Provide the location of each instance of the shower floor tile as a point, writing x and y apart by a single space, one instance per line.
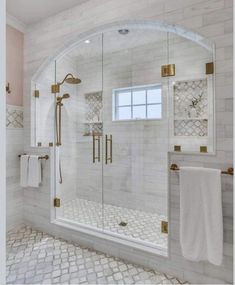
140 225
34 257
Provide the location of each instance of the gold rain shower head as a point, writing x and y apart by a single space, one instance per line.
69 78
73 80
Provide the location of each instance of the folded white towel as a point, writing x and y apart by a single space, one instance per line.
35 172
24 168
201 220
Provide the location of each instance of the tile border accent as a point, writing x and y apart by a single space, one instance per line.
14 117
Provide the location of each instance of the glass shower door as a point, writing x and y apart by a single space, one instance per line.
113 156
80 154
135 127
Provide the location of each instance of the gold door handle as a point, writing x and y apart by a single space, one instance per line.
94 147
110 140
111 149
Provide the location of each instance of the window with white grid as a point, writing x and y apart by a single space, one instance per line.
135 103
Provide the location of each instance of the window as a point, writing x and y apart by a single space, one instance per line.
135 103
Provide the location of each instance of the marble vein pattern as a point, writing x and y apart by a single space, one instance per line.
34 257
140 225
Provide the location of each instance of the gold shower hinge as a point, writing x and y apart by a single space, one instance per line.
177 147
164 227
203 149
57 202
36 93
168 70
210 68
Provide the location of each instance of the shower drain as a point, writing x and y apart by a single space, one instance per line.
123 224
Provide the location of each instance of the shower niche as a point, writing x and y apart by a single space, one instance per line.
190 108
93 115
119 124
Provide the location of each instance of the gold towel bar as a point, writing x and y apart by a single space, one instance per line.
46 157
229 171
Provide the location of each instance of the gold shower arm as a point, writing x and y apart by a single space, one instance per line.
62 82
55 88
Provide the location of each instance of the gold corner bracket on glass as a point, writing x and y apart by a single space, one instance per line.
110 141
94 148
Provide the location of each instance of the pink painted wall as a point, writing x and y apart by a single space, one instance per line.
14 65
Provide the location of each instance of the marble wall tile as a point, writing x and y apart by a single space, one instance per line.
14 147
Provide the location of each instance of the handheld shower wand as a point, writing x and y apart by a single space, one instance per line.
58 122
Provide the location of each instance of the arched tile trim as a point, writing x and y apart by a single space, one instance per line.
137 24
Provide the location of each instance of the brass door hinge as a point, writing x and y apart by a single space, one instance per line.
203 148
210 68
57 202
36 93
177 147
168 70
164 227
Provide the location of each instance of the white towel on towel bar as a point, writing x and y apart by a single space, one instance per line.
35 172
24 168
201 220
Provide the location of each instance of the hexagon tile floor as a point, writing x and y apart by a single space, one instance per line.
34 257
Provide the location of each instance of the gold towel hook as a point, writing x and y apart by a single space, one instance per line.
8 90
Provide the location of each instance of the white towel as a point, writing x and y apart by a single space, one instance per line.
201 220
35 173
24 168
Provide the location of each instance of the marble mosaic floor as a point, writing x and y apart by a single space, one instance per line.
34 257
139 225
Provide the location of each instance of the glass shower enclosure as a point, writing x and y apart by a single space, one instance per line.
112 129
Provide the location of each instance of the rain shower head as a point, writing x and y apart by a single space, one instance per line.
72 80
69 78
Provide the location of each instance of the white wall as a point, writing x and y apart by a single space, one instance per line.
212 19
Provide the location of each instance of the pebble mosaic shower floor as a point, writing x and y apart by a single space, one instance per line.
139 225
34 257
